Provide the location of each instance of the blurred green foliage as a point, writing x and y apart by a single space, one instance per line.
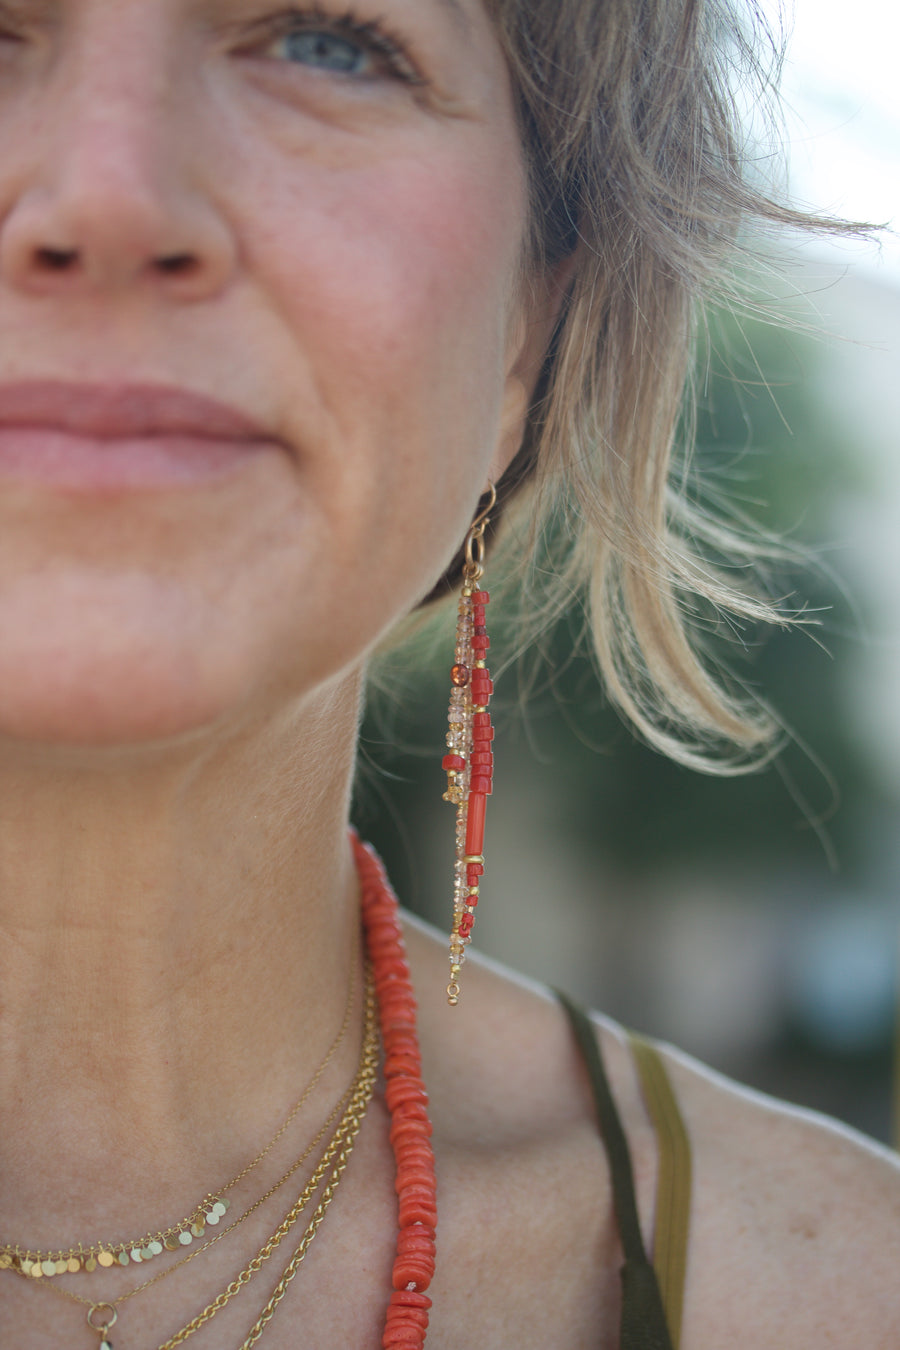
763 445
801 837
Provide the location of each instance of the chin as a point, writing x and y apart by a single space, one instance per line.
123 665
101 704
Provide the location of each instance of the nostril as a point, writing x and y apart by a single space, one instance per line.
179 264
57 259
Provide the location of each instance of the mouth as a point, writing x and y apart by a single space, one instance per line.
93 438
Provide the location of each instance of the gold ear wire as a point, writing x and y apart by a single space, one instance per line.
474 568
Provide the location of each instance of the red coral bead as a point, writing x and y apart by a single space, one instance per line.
401 1338
415 1239
409 1316
415 1178
407 1298
417 1211
475 823
400 1091
408 1272
412 1123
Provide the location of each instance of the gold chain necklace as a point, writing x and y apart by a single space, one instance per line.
103 1314
296 1260
340 1150
87 1257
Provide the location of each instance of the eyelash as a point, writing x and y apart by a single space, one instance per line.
371 33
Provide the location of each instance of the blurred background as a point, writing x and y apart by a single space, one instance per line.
755 922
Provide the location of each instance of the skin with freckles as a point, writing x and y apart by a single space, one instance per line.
317 217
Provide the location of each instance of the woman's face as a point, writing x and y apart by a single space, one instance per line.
314 218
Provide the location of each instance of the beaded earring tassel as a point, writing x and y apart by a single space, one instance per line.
470 761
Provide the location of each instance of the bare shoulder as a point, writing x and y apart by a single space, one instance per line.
795 1220
524 1200
795 1224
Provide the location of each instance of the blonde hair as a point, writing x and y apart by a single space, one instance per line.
640 173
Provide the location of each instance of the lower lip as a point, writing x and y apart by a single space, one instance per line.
92 464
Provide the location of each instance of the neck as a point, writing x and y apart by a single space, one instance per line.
177 935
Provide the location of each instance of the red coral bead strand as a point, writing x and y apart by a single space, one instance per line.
480 783
470 763
407 1315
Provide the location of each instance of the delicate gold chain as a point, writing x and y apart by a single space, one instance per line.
293 1265
338 1150
342 1107
308 1090
210 1211
339 1154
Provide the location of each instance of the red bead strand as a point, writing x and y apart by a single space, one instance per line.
470 763
407 1101
470 770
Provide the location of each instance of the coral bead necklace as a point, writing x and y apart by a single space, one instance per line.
407 1315
406 1321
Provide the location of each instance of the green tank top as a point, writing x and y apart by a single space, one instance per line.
652 1295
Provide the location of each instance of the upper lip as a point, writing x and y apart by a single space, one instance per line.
124 410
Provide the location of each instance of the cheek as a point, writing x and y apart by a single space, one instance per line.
393 281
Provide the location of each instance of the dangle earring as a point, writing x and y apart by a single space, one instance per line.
470 762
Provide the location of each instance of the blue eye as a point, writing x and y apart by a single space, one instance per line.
327 51
348 46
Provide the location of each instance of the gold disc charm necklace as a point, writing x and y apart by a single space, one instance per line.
102 1314
209 1213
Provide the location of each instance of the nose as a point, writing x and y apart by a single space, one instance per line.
111 193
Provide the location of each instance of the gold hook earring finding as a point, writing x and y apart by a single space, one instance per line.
474 568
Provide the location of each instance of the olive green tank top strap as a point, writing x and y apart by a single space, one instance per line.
643 1325
673 1187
